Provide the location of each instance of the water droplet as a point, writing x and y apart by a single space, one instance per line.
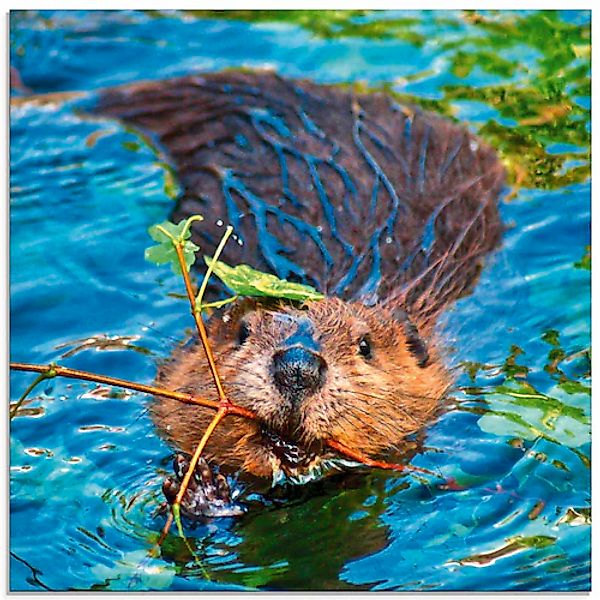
219 223
388 240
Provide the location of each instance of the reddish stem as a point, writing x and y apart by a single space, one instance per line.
130 385
200 326
222 412
369 462
233 409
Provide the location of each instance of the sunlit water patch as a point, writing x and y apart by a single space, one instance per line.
514 443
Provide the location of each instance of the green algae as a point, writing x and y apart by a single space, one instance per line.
518 409
586 260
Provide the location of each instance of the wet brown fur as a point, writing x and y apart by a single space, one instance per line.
368 404
402 200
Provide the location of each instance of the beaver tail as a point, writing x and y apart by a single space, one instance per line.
352 193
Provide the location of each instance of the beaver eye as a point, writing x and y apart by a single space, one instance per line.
364 347
243 333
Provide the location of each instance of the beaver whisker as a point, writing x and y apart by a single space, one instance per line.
257 376
252 374
242 369
246 385
384 427
356 409
340 416
411 394
376 397
391 430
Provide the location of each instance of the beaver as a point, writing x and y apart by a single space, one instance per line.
387 209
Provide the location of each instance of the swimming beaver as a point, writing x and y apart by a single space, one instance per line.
387 209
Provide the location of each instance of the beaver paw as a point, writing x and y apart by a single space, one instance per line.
207 495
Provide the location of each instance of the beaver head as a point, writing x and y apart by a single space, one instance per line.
328 370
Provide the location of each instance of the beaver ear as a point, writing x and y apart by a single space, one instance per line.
414 341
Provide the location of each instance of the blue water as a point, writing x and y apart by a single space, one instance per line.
86 464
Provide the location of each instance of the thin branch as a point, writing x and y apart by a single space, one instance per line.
211 266
223 407
233 409
200 326
175 508
378 464
58 371
41 377
224 402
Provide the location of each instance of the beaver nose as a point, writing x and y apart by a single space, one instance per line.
298 372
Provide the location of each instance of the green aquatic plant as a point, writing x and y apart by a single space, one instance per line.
517 409
530 72
169 237
329 24
242 279
586 260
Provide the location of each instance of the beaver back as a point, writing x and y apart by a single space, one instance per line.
352 193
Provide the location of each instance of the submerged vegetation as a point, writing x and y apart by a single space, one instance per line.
516 409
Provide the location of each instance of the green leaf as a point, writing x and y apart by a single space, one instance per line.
166 231
168 234
166 253
160 254
246 281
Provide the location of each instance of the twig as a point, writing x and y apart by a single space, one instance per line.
41 377
233 409
175 508
225 404
379 464
58 371
200 325
211 266
223 407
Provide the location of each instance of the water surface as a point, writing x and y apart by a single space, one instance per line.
86 464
